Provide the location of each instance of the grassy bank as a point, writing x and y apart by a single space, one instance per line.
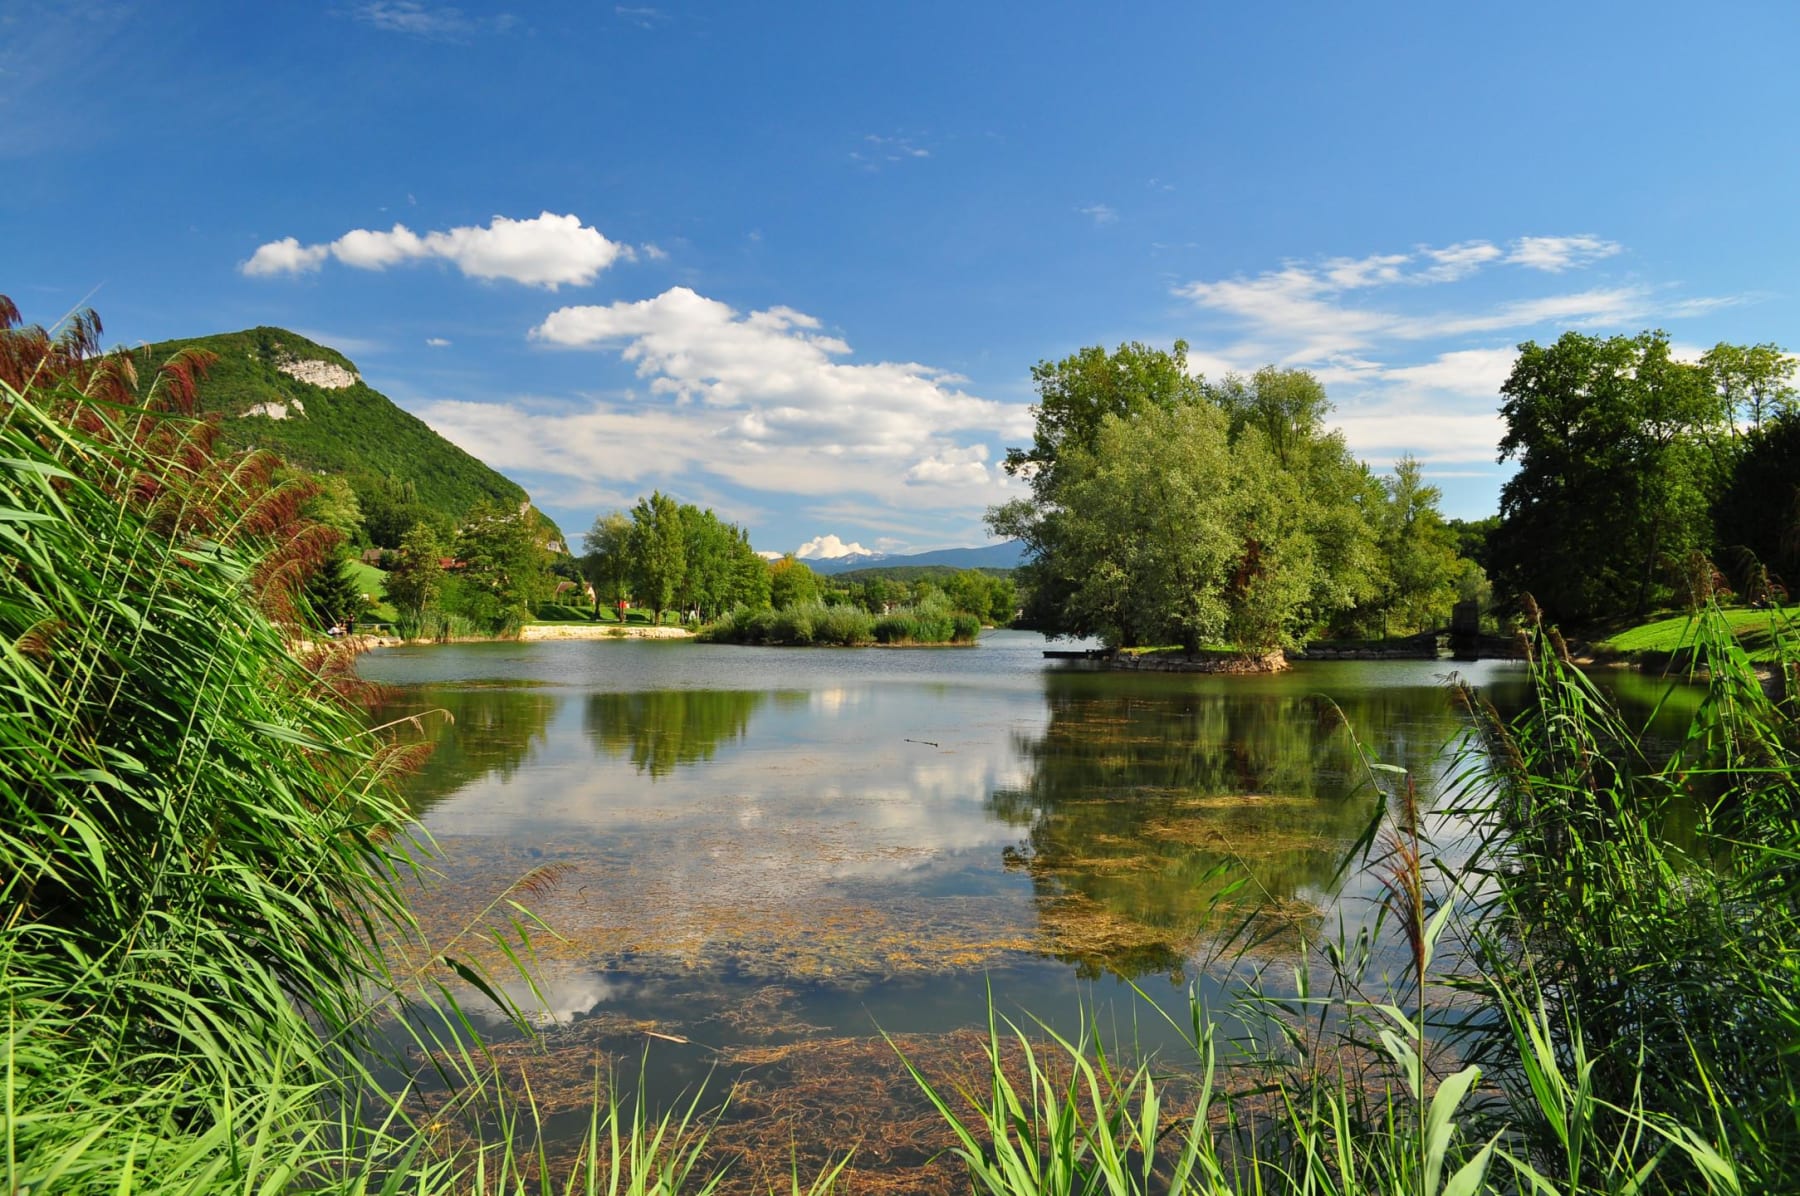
1672 639
845 626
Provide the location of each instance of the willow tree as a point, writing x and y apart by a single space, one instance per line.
1172 533
1143 479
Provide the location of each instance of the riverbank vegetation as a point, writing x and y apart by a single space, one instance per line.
1583 1007
1641 476
845 625
667 555
1168 510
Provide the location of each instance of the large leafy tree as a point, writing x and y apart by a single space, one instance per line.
1077 393
1418 550
1249 461
1171 531
1147 538
658 551
749 574
417 576
710 547
503 559
606 557
1340 499
1755 382
1614 439
1074 396
792 583
1758 512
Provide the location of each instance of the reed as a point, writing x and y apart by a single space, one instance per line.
199 842
1585 1009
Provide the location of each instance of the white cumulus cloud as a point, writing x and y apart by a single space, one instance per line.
775 371
965 466
828 548
286 256
547 250
766 401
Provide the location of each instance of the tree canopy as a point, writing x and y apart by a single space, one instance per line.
1614 439
1164 509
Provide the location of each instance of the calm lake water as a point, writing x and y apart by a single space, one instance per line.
756 861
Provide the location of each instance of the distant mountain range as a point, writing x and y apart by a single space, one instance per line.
1006 555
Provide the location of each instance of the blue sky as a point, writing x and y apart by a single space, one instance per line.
795 261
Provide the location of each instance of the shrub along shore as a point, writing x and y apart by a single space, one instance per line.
928 624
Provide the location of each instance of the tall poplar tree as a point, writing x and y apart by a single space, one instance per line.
658 552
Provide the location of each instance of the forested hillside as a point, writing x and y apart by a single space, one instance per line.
278 390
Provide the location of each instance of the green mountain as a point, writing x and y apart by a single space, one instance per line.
276 390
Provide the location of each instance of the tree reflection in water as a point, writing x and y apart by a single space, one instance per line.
489 731
1161 819
662 729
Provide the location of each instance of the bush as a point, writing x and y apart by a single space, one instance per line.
849 626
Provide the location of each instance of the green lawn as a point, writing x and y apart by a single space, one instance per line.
374 581
552 612
1754 629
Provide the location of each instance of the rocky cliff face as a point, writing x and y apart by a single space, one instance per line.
325 374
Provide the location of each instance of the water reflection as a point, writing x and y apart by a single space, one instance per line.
663 729
884 839
1157 820
474 732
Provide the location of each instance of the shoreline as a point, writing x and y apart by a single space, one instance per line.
540 632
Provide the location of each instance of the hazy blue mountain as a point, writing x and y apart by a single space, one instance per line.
1008 554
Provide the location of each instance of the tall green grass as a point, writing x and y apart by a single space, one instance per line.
199 849
1582 1009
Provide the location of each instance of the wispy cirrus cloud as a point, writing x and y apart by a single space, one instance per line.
1099 213
1414 345
429 21
547 250
642 16
1309 312
877 151
1556 254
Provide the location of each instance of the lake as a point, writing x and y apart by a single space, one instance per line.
753 863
